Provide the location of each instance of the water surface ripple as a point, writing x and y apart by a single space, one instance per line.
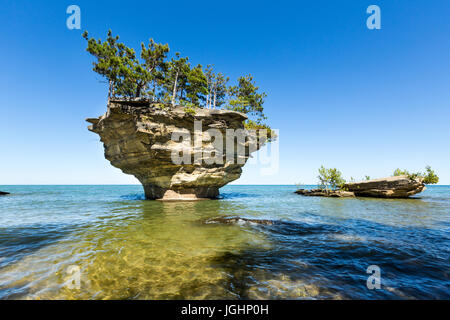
128 248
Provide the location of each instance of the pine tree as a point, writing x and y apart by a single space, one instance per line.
176 77
197 88
172 81
108 56
219 90
119 65
209 73
154 62
246 99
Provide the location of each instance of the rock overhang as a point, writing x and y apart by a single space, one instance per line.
137 138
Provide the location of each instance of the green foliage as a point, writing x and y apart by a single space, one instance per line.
197 88
252 125
118 64
190 110
216 87
151 75
189 107
330 179
367 178
154 56
245 98
398 172
429 177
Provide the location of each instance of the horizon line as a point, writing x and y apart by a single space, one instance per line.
128 184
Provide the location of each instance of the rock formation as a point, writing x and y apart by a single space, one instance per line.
391 187
3 193
324 193
137 137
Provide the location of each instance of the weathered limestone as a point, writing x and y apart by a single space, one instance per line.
391 187
137 137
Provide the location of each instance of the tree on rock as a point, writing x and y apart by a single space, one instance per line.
219 90
196 89
176 77
109 58
330 179
119 65
428 177
245 98
154 56
150 76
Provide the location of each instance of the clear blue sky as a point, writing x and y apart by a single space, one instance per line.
365 101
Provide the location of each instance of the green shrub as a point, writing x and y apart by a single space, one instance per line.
330 179
429 177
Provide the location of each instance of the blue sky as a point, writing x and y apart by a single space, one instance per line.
364 101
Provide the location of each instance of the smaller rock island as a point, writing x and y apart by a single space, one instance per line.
391 187
3 193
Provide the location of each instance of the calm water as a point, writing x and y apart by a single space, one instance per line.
127 248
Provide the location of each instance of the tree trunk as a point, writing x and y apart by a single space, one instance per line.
208 96
110 89
215 94
138 90
174 89
154 90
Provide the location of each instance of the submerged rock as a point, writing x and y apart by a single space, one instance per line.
137 137
391 187
3 193
237 220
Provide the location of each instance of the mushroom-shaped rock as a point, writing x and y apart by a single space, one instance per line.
141 138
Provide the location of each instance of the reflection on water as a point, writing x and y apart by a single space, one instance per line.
127 248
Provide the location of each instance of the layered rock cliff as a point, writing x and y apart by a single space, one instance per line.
138 139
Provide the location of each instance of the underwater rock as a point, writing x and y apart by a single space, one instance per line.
237 220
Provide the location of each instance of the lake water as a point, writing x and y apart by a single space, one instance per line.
120 246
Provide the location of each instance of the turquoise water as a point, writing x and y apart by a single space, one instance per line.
123 247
